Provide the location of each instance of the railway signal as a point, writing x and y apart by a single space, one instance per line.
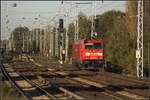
61 26
61 37
61 30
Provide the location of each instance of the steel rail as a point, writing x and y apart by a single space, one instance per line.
64 90
61 88
5 73
99 85
114 76
20 90
125 93
36 85
89 83
127 78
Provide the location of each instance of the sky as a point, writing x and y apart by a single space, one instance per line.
47 12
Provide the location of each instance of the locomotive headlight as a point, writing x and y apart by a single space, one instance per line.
99 54
87 53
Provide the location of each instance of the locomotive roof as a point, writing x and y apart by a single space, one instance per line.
79 41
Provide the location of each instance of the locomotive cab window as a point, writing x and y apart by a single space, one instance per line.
93 45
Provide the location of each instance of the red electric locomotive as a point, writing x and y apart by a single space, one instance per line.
88 53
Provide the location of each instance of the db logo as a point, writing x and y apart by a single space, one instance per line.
93 53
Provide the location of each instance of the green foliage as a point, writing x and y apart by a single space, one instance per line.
117 40
7 92
131 18
146 30
4 88
84 26
84 30
131 21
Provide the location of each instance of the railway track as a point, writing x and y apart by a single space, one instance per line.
115 81
12 82
124 92
108 88
126 78
81 89
63 93
56 83
24 84
69 86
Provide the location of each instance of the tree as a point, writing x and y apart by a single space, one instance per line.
131 22
84 26
118 43
19 37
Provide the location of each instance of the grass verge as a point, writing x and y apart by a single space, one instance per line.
8 92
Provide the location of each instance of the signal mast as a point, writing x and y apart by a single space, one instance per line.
93 32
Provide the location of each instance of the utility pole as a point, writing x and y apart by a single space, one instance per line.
30 41
37 39
66 36
50 35
14 5
54 45
139 51
75 31
44 33
43 41
92 19
41 35
23 42
76 23
56 40
11 35
27 37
